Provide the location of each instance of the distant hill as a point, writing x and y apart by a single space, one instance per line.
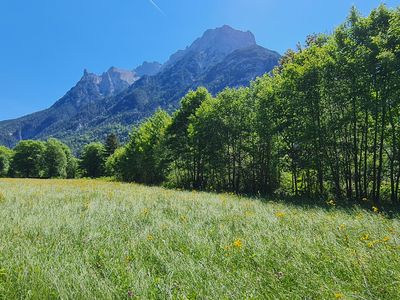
117 99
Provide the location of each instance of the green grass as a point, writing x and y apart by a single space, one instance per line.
85 239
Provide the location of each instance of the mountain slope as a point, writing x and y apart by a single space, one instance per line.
79 104
222 57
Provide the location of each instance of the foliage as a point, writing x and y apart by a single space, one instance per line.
55 160
93 160
111 144
29 159
5 160
117 164
143 156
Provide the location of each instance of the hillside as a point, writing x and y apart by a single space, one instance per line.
117 99
96 240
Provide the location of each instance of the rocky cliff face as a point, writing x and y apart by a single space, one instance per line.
213 46
113 101
148 69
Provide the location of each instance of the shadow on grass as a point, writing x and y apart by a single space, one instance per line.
389 210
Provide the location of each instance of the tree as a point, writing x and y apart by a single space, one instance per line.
5 160
72 162
183 152
28 160
111 144
117 165
144 154
93 160
55 159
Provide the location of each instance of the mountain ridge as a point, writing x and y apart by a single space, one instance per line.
116 99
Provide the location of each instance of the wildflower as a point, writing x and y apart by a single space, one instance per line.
150 237
386 239
365 237
371 245
375 209
342 227
248 213
238 243
279 214
331 202
359 216
339 296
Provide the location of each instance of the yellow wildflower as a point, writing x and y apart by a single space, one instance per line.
339 296
331 202
375 209
386 239
365 237
238 243
248 213
150 237
280 214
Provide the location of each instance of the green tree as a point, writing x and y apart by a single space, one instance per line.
144 154
28 160
55 159
93 160
111 144
182 151
72 162
117 165
5 160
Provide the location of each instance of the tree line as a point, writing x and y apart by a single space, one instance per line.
54 159
325 122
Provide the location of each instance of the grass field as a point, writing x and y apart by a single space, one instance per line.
85 239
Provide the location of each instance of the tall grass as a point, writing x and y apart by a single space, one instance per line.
83 239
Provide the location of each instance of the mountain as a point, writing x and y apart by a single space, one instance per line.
117 99
79 103
148 68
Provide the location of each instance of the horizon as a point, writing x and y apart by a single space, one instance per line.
50 44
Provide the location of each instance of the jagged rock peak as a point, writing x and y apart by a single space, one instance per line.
216 43
224 39
148 69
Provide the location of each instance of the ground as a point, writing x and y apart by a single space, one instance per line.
85 239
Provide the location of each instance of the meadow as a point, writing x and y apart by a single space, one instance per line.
91 239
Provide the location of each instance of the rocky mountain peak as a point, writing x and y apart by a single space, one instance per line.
148 69
224 39
214 45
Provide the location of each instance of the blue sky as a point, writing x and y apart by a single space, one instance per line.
46 44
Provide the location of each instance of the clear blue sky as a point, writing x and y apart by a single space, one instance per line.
46 44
